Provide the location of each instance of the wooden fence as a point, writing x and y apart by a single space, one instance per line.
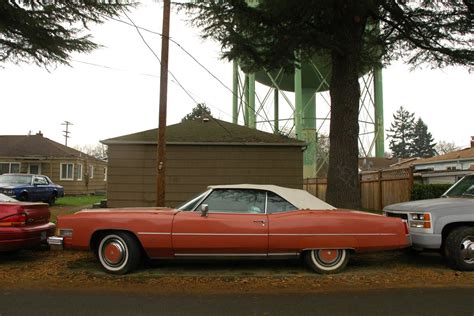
378 188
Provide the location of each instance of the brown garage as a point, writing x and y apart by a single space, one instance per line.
199 153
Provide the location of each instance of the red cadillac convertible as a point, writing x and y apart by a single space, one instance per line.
232 221
23 224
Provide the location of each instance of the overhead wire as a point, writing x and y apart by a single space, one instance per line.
174 77
137 27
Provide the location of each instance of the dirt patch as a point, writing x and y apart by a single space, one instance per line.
80 271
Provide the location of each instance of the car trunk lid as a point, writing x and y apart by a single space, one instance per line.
24 214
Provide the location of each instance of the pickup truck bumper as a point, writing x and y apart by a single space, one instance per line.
56 243
426 241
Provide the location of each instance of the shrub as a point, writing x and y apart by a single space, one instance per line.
428 191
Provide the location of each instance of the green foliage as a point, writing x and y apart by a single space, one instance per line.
198 113
47 32
401 133
79 200
422 144
409 138
428 191
266 34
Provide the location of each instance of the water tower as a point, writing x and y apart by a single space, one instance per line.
308 84
300 91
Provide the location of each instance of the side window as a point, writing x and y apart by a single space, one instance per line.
276 204
66 172
40 181
236 201
78 172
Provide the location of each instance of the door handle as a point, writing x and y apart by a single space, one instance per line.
260 221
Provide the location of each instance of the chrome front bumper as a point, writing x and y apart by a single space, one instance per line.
55 242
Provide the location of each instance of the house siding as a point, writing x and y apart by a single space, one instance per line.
191 168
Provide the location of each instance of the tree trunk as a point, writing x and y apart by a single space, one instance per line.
343 174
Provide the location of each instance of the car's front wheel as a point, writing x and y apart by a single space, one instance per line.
459 248
119 252
327 261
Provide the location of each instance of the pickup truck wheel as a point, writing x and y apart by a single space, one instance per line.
119 253
459 249
327 261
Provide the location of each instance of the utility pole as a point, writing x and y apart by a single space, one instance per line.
66 132
161 156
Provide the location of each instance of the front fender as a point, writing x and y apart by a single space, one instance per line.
441 222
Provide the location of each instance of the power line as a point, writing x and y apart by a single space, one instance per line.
138 28
156 56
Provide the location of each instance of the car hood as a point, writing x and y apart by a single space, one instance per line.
433 205
8 186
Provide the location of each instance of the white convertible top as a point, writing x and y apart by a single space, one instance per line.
299 198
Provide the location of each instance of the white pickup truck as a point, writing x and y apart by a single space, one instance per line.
446 223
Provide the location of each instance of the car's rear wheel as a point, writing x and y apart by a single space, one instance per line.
52 199
119 252
327 261
459 248
23 196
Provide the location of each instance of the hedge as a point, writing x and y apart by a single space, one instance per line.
428 191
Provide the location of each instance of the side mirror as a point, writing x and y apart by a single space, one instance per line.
204 210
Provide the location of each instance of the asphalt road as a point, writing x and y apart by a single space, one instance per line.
386 302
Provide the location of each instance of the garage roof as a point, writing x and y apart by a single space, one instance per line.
211 132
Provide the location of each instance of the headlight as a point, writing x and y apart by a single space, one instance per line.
420 220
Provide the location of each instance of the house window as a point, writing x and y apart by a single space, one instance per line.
34 168
78 172
67 171
105 173
91 171
9 167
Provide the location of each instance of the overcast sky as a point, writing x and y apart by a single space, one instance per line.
114 90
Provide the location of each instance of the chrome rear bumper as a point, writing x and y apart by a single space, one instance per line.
55 242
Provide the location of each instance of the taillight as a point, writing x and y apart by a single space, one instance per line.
405 224
14 220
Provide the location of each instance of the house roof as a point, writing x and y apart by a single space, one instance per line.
463 154
375 163
36 146
213 132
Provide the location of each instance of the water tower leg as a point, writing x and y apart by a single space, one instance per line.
252 115
378 100
276 114
305 123
309 133
235 92
246 101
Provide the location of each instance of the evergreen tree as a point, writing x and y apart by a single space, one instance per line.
401 133
47 32
198 113
356 35
422 144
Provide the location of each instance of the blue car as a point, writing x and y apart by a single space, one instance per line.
30 187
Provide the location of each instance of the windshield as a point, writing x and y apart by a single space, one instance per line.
462 188
15 179
193 203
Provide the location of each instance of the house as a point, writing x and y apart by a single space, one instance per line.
199 153
447 168
375 163
77 172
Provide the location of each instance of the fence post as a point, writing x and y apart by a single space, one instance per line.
410 181
380 189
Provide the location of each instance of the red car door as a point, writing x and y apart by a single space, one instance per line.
236 224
